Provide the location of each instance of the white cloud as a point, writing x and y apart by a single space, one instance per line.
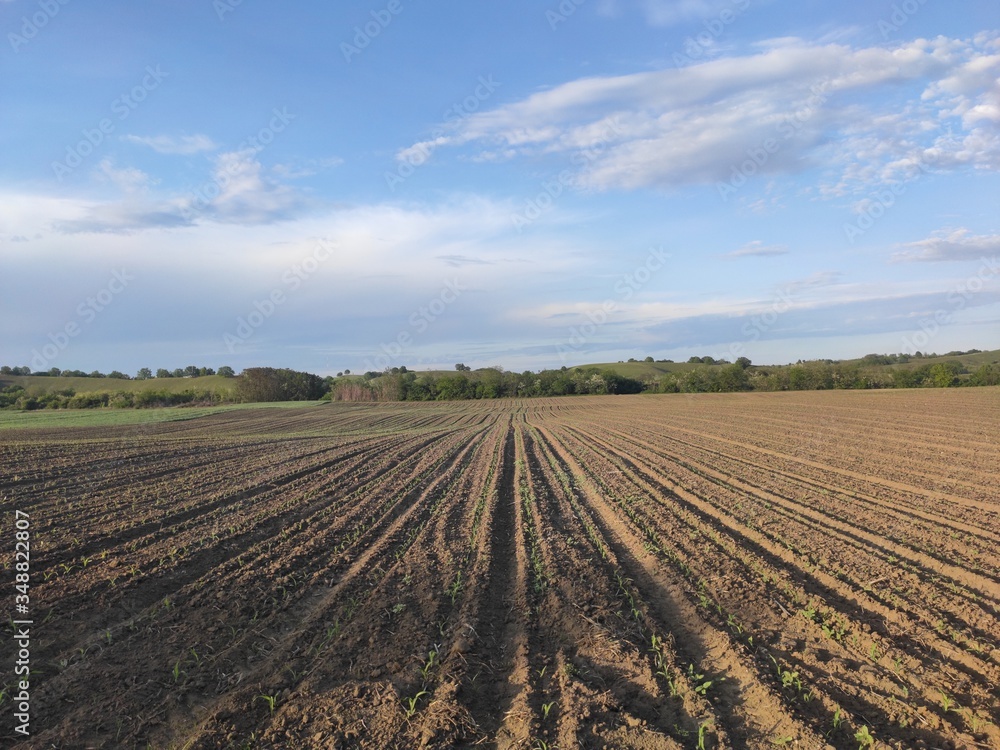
129 180
237 192
307 167
758 248
870 114
954 244
169 144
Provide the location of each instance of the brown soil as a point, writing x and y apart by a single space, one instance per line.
740 571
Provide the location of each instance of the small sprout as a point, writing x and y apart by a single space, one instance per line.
546 707
456 587
270 700
703 730
838 718
410 704
864 738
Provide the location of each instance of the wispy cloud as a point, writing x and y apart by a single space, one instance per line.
307 167
238 191
758 248
457 261
171 144
819 103
129 180
954 244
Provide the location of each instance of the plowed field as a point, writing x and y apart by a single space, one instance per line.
744 571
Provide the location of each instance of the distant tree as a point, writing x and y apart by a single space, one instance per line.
986 375
462 367
97 374
164 373
648 359
732 378
203 371
191 371
340 374
268 384
453 387
55 372
5 370
226 371
144 374
744 362
347 372
177 373
118 375
945 374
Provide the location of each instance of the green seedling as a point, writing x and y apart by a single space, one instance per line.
456 587
270 700
703 730
838 718
946 702
410 704
429 664
864 738
546 707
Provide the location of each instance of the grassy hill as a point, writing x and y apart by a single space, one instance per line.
655 369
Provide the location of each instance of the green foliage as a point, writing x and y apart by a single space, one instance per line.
263 384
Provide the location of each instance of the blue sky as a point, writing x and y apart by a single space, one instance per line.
358 185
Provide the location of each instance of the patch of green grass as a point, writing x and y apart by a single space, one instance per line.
36 384
109 417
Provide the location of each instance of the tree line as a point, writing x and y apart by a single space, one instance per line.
267 384
191 371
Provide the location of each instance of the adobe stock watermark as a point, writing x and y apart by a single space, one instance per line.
758 156
901 13
33 24
211 190
696 47
224 7
562 12
417 155
554 187
364 34
761 322
87 311
292 279
122 106
625 288
420 320
957 300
